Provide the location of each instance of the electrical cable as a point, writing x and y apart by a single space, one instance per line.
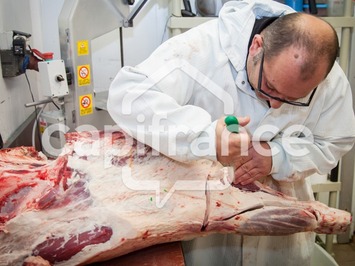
166 26
37 115
29 87
55 105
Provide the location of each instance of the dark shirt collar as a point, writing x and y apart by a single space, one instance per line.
259 25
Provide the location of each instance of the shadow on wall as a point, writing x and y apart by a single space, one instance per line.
23 136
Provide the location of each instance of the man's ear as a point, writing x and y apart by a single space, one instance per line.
256 45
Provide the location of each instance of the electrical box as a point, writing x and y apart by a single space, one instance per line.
12 53
53 78
52 128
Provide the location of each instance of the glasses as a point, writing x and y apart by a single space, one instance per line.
296 103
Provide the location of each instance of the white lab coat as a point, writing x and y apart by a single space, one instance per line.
172 100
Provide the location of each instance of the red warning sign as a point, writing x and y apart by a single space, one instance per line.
86 107
84 78
85 102
83 72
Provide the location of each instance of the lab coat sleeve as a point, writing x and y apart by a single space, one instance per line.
325 138
151 103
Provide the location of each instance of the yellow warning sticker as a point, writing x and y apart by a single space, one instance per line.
85 102
83 47
84 78
42 125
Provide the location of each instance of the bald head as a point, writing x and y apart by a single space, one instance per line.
310 37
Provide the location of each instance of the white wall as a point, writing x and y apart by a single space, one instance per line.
14 92
138 43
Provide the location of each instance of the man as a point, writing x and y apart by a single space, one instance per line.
272 69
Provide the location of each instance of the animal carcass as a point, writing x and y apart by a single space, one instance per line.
108 195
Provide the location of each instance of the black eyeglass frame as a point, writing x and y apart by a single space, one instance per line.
277 98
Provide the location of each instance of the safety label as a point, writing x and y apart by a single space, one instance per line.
83 47
84 78
85 102
42 125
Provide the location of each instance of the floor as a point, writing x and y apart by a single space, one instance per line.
344 254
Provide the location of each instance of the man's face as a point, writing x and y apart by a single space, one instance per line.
280 77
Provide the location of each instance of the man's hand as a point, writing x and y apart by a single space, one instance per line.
251 160
33 64
231 146
255 165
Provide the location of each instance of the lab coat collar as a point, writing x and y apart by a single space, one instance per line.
236 21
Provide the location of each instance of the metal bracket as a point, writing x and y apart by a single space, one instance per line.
128 22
